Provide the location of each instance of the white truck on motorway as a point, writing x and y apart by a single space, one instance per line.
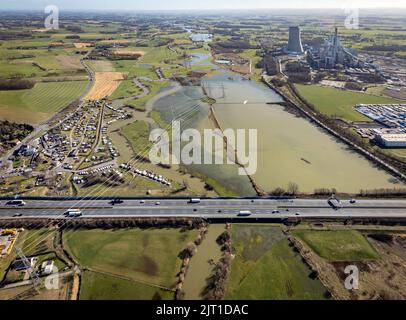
194 200
73 213
244 213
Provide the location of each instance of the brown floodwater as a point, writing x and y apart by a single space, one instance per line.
201 264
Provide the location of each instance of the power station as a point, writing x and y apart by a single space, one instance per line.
332 53
295 41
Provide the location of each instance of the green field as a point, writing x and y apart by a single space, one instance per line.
339 103
155 55
265 267
41 101
338 245
144 255
134 70
126 89
96 286
34 63
137 134
154 88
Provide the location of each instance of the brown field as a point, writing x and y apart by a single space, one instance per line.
57 44
69 62
394 94
239 64
129 52
80 45
40 30
28 116
122 41
18 61
106 83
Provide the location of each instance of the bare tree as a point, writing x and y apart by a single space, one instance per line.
293 188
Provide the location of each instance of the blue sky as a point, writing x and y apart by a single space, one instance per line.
192 4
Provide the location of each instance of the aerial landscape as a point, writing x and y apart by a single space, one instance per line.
202 153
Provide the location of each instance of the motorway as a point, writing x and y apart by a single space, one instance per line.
209 208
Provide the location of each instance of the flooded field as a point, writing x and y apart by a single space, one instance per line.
202 262
290 148
185 106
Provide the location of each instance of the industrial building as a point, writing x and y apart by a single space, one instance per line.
332 53
295 42
391 116
391 140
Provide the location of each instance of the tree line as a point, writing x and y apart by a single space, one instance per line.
16 84
105 223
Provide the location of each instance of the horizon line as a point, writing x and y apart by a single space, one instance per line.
208 9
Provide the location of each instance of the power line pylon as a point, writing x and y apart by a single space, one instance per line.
32 273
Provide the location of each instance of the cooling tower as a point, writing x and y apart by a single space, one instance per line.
295 42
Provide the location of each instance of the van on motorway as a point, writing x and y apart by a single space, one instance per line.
194 200
73 213
19 203
244 213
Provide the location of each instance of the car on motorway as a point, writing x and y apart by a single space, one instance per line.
116 201
352 201
297 214
142 201
194 200
19 203
335 203
73 213
275 211
17 215
157 203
